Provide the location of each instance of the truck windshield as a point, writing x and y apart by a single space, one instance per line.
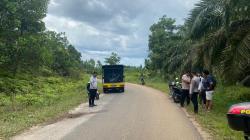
113 75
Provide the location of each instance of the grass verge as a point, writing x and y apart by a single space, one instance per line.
39 100
155 82
215 121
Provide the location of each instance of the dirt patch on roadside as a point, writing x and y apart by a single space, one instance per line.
79 114
56 119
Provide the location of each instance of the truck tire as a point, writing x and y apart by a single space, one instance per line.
105 91
122 90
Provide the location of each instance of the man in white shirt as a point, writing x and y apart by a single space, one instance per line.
194 91
92 89
202 92
185 88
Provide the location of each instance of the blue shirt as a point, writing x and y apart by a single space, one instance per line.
208 83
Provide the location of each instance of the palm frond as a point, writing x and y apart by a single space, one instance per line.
236 57
207 16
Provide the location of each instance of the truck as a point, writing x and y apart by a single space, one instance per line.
113 78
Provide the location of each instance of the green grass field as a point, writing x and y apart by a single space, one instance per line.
39 100
214 122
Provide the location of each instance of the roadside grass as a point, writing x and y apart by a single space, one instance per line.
39 100
157 83
214 122
131 76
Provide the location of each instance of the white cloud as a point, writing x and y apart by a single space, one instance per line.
53 3
99 27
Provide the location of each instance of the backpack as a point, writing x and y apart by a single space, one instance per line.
88 86
214 81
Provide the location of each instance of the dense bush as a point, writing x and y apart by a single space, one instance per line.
38 91
237 93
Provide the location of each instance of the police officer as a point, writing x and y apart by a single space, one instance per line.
92 89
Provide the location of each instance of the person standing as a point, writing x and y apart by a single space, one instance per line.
186 79
194 85
142 79
92 89
202 92
209 85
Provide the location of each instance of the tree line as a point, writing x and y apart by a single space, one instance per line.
31 55
27 47
215 36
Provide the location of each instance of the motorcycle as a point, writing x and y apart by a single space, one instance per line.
175 91
171 91
142 81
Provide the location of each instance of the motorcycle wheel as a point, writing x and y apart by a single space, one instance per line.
176 100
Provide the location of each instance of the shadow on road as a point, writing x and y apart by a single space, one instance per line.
76 115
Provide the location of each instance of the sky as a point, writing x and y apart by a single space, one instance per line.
98 27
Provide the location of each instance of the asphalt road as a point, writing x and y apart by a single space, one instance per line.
141 113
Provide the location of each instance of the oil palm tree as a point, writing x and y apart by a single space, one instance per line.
222 28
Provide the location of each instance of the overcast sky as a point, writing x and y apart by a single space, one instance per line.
98 27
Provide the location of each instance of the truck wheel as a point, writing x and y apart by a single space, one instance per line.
105 91
122 90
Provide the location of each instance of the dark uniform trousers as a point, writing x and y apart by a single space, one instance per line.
92 94
194 100
185 96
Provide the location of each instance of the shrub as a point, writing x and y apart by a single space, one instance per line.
29 100
4 100
46 72
237 93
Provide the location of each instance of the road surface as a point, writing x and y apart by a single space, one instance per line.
141 113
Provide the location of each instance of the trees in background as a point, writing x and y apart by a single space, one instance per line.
99 66
164 47
27 50
114 59
89 65
25 46
62 57
215 36
92 65
224 38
